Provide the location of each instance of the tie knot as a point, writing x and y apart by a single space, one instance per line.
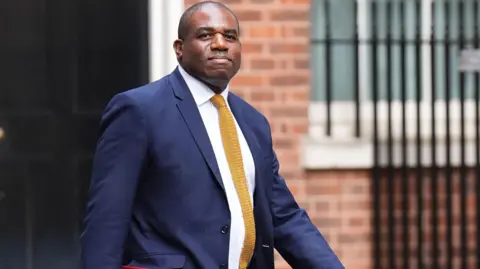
218 101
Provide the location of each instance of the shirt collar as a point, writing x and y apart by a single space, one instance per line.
201 92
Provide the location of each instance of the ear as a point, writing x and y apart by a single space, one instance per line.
178 47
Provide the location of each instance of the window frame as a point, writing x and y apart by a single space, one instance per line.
345 150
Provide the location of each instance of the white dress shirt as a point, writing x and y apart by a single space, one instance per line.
209 113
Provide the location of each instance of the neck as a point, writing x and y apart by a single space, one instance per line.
217 86
218 89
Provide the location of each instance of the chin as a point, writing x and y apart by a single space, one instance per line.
219 75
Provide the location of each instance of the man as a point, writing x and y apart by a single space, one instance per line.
185 175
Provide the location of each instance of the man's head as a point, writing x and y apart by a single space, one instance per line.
208 45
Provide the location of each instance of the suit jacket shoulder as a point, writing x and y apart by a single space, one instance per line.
150 93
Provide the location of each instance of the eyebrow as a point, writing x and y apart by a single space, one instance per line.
211 29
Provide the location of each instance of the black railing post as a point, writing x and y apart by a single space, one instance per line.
463 179
376 169
357 71
448 168
476 13
433 146
419 167
405 181
328 71
391 176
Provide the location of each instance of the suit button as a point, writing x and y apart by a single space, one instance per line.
224 229
222 266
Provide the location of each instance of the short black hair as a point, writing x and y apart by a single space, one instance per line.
184 24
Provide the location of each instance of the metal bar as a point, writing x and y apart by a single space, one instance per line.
328 53
433 147
448 169
405 185
463 180
376 167
357 75
391 178
477 134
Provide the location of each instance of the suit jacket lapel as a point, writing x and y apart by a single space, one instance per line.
188 108
253 144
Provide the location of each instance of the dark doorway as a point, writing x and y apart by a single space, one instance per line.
60 63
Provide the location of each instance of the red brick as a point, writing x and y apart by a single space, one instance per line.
248 15
297 96
352 238
327 222
262 64
297 128
300 2
247 80
356 222
290 111
257 31
301 64
288 80
262 1
301 31
262 95
289 48
323 189
250 48
283 143
322 206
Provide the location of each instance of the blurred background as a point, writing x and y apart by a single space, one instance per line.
374 107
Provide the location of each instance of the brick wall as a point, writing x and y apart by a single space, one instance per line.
275 78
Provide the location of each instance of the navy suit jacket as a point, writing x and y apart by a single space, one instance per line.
156 198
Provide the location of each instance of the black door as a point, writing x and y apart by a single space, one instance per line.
60 62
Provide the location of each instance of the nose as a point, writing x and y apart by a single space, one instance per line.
219 42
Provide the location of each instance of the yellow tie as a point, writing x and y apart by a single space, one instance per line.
235 162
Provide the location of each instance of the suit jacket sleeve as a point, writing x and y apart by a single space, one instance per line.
117 166
295 237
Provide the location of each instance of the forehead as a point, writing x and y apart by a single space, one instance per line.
213 17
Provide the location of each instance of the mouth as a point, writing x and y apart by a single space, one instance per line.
219 59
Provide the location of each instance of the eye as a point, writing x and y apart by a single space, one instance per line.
204 35
231 37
